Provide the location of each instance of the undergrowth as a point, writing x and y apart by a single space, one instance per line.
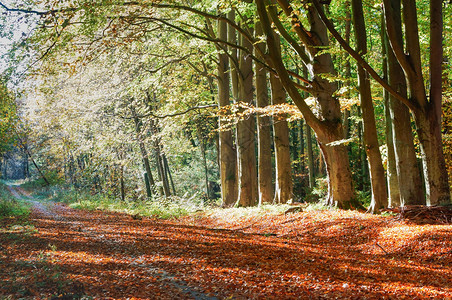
163 208
11 207
160 207
265 209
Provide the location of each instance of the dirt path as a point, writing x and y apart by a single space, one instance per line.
91 241
312 255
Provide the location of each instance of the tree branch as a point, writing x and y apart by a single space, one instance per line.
207 15
359 59
277 63
174 114
297 26
301 52
36 12
394 38
168 63
27 11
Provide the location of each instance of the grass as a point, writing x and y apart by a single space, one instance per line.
10 206
170 208
162 208
266 209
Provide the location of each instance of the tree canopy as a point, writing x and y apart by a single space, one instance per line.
112 83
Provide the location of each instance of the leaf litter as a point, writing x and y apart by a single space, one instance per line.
222 255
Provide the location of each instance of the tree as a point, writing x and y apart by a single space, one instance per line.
327 126
148 178
247 172
426 110
8 118
408 173
227 151
284 184
377 175
263 128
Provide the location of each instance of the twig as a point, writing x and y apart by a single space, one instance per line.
381 248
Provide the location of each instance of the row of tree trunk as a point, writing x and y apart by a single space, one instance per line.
405 91
246 181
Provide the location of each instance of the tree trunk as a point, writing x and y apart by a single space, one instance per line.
377 175
246 127
340 185
348 70
408 173
302 156
149 180
168 174
122 184
227 153
391 166
158 159
284 183
429 121
426 111
328 126
263 131
434 165
310 154
206 170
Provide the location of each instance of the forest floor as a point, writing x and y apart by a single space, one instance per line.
63 253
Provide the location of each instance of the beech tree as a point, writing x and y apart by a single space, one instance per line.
425 109
284 184
263 128
327 125
227 151
377 175
254 48
408 173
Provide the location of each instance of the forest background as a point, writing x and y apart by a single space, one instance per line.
245 102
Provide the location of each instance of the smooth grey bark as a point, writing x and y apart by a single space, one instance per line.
348 70
426 110
206 170
310 155
408 173
391 165
159 162
265 184
284 182
301 138
122 184
246 128
227 151
377 176
168 174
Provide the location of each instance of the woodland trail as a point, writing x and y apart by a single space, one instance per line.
68 254
90 243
